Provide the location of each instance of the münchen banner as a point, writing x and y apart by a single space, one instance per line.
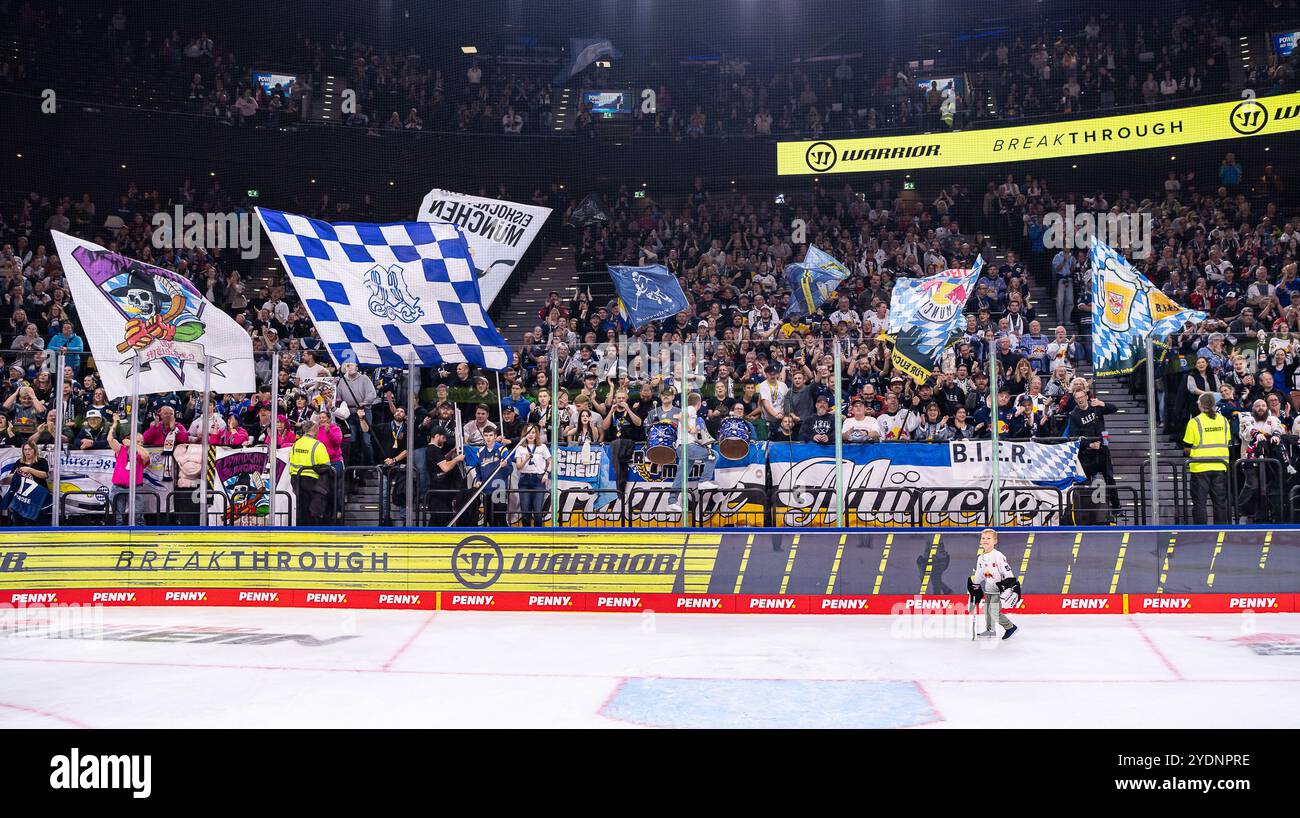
498 232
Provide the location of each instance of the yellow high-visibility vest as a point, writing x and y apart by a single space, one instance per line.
1208 438
307 452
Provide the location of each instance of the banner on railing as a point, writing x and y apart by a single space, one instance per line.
589 487
897 483
237 480
86 477
884 484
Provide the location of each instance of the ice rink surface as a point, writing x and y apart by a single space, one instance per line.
226 667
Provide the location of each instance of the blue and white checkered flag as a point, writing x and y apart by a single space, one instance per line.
1127 309
384 294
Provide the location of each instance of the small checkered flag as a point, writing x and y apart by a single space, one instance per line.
388 294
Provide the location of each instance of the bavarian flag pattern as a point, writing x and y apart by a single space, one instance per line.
812 281
388 294
1127 309
925 315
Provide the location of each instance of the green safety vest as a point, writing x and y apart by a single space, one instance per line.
305 455
1208 439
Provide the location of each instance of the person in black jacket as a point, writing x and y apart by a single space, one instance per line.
93 433
1087 422
820 428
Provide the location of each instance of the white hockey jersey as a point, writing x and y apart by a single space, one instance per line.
990 569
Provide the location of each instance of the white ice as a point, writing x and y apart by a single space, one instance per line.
496 669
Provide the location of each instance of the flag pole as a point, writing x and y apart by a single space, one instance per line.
1151 431
131 450
59 420
555 441
996 494
410 440
273 440
839 441
501 409
206 431
684 462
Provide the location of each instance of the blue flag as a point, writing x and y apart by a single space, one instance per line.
812 281
647 294
1127 309
583 51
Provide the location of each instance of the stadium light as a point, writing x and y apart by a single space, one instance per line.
469 49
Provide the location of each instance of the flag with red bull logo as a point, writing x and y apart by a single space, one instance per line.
924 316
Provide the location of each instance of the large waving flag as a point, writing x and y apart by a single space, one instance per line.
387 294
583 51
1127 308
924 314
136 314
647 294
812 281
498 232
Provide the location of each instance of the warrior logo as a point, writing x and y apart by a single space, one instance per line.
390 297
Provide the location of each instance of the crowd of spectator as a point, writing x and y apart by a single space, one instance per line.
1224 242
1112 62
1228 250
1109 62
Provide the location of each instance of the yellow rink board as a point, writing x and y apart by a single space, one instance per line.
375 560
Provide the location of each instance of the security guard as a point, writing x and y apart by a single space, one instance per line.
1208 437
309 468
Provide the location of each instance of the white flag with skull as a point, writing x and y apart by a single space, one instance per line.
140 317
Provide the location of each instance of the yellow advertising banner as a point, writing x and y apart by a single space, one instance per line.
607 561
1044 140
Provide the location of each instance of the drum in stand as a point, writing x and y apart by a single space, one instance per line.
661 444
734 438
